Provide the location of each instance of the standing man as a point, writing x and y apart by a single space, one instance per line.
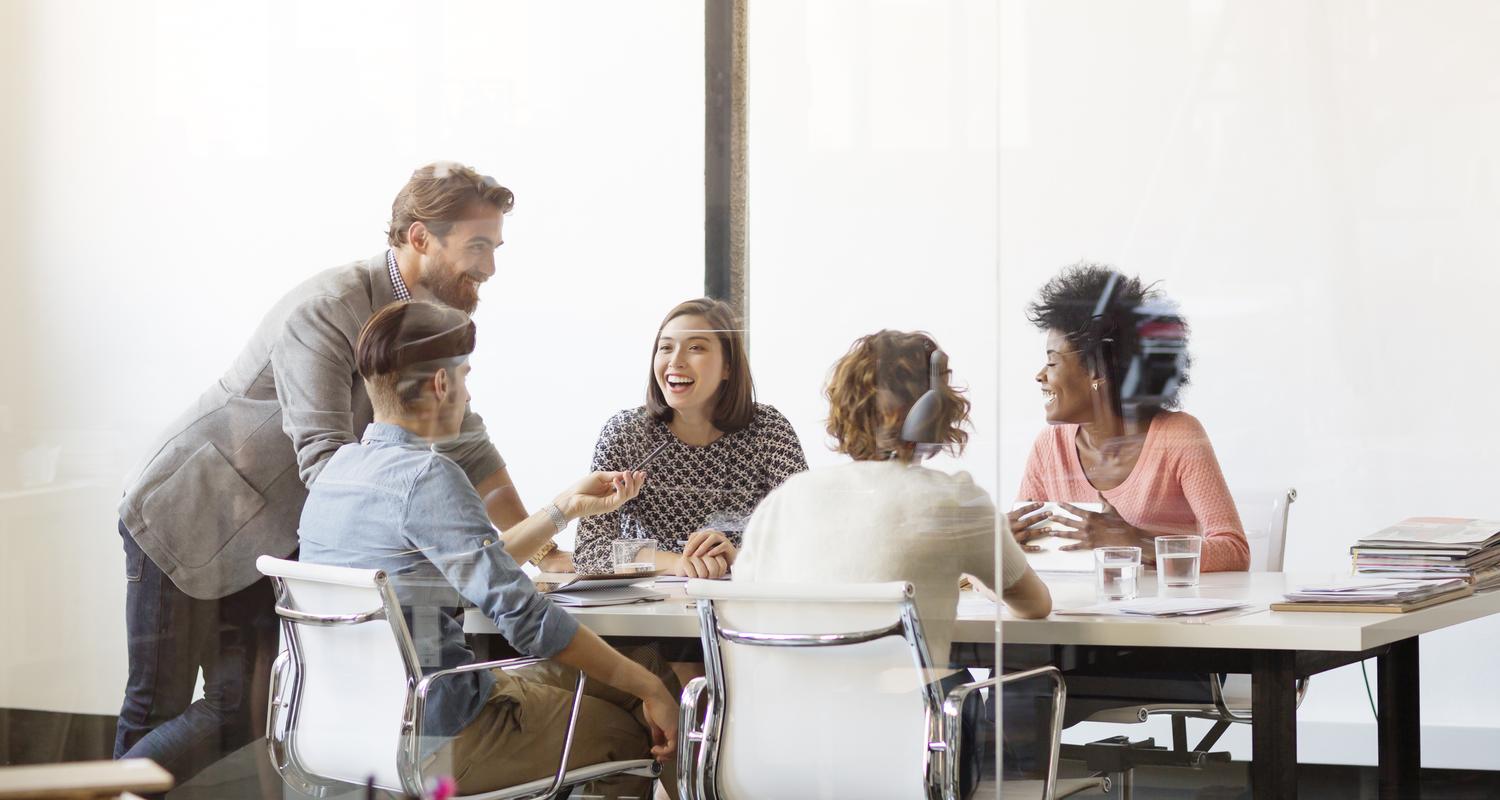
225 483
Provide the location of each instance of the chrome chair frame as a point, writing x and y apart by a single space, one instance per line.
697 757
286 693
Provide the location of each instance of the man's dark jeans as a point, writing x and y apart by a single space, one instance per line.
171 636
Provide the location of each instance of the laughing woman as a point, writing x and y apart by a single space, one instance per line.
720 453
1116 358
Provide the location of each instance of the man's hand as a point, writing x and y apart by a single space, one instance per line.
661 713
1097 528
600 493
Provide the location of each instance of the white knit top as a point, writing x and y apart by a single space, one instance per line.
871 521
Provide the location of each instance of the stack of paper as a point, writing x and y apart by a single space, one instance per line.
1155 607
602 590
1433 548
1375 591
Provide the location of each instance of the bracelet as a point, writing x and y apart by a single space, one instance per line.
554 513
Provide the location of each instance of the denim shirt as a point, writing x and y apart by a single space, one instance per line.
391 502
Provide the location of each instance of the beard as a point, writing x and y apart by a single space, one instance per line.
451 288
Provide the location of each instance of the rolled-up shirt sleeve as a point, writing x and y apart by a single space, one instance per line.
446 520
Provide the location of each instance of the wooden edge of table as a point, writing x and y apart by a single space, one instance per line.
84 779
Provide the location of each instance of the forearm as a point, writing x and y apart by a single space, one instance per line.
1029 597
591 656
523 539
501 500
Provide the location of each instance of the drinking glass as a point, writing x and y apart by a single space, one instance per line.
634 555
1178 559
1115 572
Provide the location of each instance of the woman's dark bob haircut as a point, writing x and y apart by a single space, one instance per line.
735 406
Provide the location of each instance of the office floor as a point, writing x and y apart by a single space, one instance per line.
245 775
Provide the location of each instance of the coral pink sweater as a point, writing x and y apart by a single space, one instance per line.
1176 486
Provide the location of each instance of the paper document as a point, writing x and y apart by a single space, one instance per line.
612 596
1373 590
1154 607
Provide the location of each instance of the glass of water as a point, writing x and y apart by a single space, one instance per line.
1178 559
634 555
1115 572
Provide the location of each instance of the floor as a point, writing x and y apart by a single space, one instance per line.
246 775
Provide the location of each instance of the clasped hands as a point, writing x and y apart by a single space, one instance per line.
708 554
1090 530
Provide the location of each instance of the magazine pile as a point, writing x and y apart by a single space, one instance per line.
1433 548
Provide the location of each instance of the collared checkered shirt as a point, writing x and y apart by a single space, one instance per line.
396 283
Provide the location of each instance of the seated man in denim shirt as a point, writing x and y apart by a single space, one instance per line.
392 502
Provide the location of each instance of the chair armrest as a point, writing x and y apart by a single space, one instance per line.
419 707
952 726
690 740
425 684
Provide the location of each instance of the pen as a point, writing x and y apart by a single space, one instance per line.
649 456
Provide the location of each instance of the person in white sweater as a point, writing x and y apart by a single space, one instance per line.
884 516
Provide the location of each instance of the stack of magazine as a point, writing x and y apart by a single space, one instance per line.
1373 594
1433 548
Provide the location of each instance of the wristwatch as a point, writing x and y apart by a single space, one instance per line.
546 550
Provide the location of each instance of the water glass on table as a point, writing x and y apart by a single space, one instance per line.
634 555
1178 559
1115 572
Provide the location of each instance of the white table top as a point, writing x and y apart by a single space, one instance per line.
1247 629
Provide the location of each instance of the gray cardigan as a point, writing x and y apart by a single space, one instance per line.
225 482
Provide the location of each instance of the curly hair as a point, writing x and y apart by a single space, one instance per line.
872 387
1127 332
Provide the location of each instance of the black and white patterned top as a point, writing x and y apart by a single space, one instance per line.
687 488
402 293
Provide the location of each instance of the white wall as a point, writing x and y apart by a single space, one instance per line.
872 197
182 164
1316 183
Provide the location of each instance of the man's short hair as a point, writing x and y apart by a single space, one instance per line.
404 344
441 194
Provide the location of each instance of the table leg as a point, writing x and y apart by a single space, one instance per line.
1400 721
1273 706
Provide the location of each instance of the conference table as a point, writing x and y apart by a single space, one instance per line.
1276 648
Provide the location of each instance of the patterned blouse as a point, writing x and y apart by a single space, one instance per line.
687 488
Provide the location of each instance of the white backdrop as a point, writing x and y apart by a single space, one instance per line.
1316 183
183 164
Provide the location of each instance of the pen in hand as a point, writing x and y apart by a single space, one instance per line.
649 456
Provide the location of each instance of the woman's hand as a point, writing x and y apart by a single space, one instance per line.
1027 530
702 566
1097 529
709 543
600 493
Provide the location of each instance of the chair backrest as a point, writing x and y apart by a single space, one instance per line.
352 664
1265 516
818 690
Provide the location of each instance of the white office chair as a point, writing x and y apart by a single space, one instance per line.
1265 518
820 691
348 694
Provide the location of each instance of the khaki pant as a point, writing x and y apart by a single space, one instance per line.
518 736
